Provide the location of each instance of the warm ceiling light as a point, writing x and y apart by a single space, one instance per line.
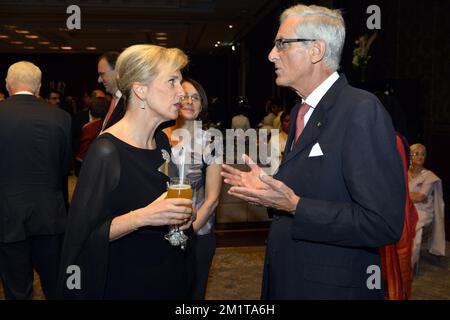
161 38
66 48
230 26
91 48
161 34
3 36
54 48
44 42
218 42
162 44
16 42
216 45
29 47
22 31
31 36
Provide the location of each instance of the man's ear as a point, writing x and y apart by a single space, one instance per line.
7 87
38 90
139 90
317 51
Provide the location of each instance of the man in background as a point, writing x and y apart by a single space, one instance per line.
54 98
108 77
35 156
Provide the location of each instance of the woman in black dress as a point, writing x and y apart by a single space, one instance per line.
119 214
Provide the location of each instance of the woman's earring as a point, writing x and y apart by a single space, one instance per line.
142 105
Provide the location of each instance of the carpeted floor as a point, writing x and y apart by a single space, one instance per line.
236 274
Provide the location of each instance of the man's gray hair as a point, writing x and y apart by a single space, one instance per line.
320 23
24 73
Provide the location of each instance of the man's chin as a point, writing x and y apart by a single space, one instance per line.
280 82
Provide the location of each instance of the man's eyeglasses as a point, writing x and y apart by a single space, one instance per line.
194 98
279 43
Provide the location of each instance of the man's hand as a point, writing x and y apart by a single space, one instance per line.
238 178
256 187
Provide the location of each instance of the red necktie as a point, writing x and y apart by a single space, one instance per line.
112 106
300 123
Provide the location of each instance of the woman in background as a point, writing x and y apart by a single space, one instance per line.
425 190
204 175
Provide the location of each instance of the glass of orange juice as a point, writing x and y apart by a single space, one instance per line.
178 188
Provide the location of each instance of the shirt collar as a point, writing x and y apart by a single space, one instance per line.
314 98
118 94
24 92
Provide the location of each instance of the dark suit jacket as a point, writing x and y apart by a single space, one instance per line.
118 113
35 154
78 121
352 201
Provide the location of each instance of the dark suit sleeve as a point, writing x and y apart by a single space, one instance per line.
373 176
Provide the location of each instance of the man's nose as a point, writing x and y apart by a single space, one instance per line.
273 54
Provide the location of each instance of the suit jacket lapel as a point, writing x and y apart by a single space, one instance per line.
315 124
290 138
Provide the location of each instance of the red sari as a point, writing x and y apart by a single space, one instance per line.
396 258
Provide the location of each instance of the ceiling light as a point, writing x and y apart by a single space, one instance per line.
218 42
161 38
31 36
54 48
161 33
29 47
16 42
233 48
66 47
91 48
22 31
230 26
3 36
216 45
44 42
163 44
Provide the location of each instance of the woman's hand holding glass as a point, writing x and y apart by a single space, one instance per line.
165 211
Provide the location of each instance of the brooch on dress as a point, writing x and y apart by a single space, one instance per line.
164 168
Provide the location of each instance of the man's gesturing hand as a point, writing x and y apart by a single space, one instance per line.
256 187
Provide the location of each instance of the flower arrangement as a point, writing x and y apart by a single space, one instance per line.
361 52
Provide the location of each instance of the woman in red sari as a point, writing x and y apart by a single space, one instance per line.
396 258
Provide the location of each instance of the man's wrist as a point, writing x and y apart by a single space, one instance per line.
294 201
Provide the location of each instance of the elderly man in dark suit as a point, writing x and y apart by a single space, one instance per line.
35 155
339 193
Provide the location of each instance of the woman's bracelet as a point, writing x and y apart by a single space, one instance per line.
133 224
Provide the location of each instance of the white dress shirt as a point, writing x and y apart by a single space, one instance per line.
314 98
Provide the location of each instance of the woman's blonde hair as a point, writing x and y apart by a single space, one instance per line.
144 62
